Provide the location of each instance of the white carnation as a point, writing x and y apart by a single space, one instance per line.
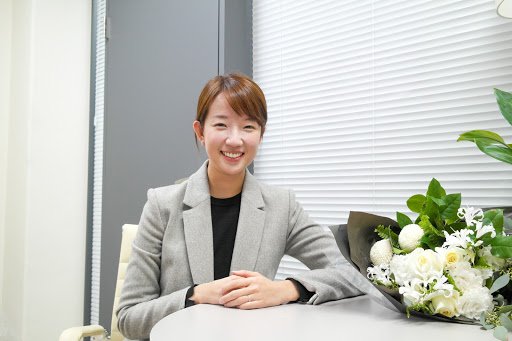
400 269
381 252
409 237
474 301
466 277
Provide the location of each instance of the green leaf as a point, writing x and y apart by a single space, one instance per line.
415 203
483 323
427 226
439 202
499 283
494 217
455 227
452 202
501 153
500 333
506 321
432 211
480 134
402 219
505 309
431 241
501 246
435 189
385 232
504 100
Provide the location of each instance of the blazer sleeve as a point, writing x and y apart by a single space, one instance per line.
140 305
330 277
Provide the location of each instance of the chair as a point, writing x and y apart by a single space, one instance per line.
77 333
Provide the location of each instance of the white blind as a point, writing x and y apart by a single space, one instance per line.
366 100
98 159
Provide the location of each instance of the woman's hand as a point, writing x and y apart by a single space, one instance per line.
210 293
251 290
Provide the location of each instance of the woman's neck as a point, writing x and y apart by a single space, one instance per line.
225 186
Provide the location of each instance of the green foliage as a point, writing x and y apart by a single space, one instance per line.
494 217
385 232
491 143
402 220
501 246
435 189
499 283
416 202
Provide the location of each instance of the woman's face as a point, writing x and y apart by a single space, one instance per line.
231 141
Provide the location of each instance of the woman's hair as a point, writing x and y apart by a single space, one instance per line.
243 95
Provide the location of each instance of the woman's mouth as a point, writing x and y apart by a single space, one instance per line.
233 156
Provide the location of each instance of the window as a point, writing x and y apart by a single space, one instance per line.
366 100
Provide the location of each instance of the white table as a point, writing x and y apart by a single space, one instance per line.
357 318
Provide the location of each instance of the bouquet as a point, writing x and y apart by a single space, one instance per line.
451 262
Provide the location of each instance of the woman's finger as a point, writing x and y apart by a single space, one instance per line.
233 285
245 273
234 294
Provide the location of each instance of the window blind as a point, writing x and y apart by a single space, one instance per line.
366 100
98 159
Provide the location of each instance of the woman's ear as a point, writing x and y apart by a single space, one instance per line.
198 130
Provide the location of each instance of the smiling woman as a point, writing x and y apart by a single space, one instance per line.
218 237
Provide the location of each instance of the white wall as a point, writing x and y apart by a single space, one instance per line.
5 66
45 197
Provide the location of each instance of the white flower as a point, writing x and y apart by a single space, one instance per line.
458 238
413 291
452 255
400 269
426 263
446 305
409 237
381 252
474 301
380 274
470 215
481 230
466 277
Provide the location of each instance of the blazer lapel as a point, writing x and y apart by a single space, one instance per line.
251 222
197 224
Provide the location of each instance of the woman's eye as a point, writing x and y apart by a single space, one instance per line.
219 125
250 127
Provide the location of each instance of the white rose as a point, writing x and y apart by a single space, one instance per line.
474 302
381 252
452 255
409 237
446 306
426 263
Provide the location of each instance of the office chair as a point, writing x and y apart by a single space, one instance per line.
77 333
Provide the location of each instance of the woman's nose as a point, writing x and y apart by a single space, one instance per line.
234 138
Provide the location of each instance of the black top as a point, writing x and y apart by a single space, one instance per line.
224 223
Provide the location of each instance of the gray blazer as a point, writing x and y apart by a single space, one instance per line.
173 249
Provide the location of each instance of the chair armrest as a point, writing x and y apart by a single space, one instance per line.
77 333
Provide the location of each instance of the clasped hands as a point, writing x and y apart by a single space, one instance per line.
245 290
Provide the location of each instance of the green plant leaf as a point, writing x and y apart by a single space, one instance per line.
506 321
500 333
427 226
435 189
501 246
494 217
431 209
431 241
415 203
504 100
505 309
483 323
501 153
452 204
385 232
499 283
480 134
402 219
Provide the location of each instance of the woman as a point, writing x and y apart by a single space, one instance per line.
218 237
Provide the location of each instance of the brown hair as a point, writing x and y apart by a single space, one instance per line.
242 94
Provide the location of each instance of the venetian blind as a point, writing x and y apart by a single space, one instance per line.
99 86
366 100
